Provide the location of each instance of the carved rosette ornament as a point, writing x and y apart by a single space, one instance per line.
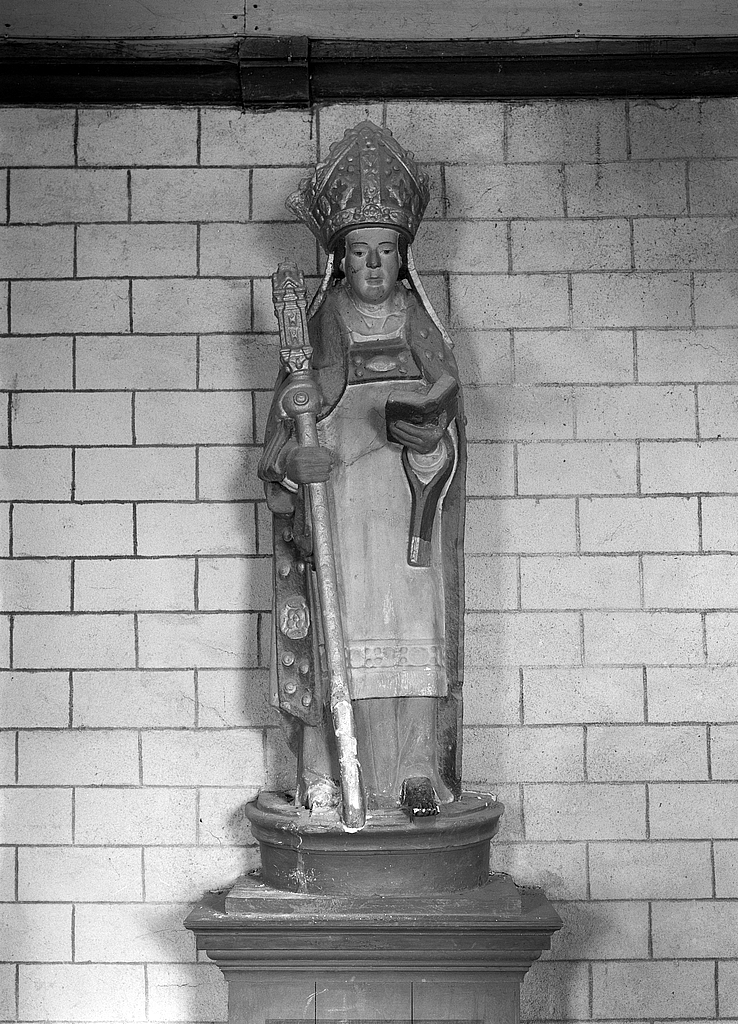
367 179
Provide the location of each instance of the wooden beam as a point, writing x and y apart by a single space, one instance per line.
481 69
236 73
296 72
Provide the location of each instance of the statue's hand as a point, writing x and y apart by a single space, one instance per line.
309 465
418 437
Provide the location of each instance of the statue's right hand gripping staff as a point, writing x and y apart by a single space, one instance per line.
301 402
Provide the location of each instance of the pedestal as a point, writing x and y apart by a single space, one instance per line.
392 855
457 956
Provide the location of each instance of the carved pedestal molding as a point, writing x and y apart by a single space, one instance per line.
448 957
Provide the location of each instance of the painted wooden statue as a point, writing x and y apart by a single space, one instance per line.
364 468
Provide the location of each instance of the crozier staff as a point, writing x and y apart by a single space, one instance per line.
392 452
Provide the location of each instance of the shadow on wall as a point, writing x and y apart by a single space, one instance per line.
253 361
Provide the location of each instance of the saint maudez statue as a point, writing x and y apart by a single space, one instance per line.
374 901
364 467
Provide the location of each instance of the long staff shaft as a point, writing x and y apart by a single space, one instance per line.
301 402
352 790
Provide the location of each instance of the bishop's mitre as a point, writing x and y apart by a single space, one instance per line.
367 180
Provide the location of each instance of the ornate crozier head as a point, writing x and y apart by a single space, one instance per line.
367 181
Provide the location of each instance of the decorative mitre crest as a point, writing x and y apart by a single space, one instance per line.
367 180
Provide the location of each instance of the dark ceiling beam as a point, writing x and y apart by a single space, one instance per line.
296 71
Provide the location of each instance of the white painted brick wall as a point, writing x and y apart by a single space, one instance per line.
584 255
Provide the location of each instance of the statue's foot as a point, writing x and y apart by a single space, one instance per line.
419 798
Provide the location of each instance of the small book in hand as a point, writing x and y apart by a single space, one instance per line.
425 407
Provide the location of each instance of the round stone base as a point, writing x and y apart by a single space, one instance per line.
392 855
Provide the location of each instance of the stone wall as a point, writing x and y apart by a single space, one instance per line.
585 257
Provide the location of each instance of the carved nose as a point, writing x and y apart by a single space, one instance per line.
373 261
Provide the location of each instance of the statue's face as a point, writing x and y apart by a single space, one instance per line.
372 263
